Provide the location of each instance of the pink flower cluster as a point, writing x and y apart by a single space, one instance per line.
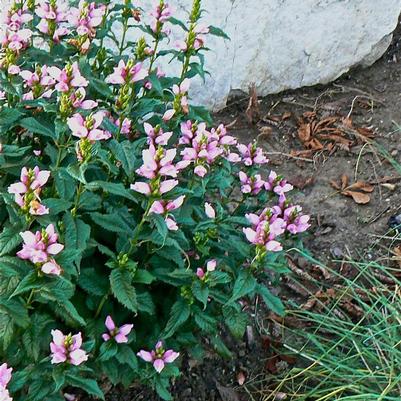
85 19
40 83
127 73
14 37
165 208
159 356
156 135
68 78
27 191
252 155
40 248
88 127
119 334
273 222
52 14
254 184
158 163
5 377
203 147
67 348
160 13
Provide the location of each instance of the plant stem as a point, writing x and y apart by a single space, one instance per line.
101 304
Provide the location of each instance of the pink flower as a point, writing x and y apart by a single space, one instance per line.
210 267
88 127
5 375
165 208
296 221
40 83
156 135
168 115
159 357
67 78
78 100
118 333
251 154
51 15
2 95
40 247
129 73
67 348
276 184
266 228
86 18
202 148
157 163
27 191
155 189
251 185
210 212
15 18
161 13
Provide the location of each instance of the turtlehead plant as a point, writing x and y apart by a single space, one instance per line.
128 218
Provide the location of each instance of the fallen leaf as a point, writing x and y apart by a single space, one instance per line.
358 197
358 191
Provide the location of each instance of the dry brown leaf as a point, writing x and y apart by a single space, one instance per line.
359 197
362 186
286 115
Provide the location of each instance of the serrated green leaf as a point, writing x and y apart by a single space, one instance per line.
88 385
9 239
244 285
179 314
122 289
33 125
272 302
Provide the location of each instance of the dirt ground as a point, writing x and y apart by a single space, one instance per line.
363 108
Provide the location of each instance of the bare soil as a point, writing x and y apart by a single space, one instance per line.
370 98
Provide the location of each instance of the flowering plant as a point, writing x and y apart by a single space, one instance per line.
127 219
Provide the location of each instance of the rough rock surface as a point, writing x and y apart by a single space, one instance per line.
287 44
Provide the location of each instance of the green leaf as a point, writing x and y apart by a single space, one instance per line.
88 385
236 321
272 302
218 32
101 87
33 125
127 356
142 276
9 239
112 188
123 291
107 350
9 116
205 322
111 222
16 310
77 232
200 291
161 386
93 282
77 171
244 285
179 314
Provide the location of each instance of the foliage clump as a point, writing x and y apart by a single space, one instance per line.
128 220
